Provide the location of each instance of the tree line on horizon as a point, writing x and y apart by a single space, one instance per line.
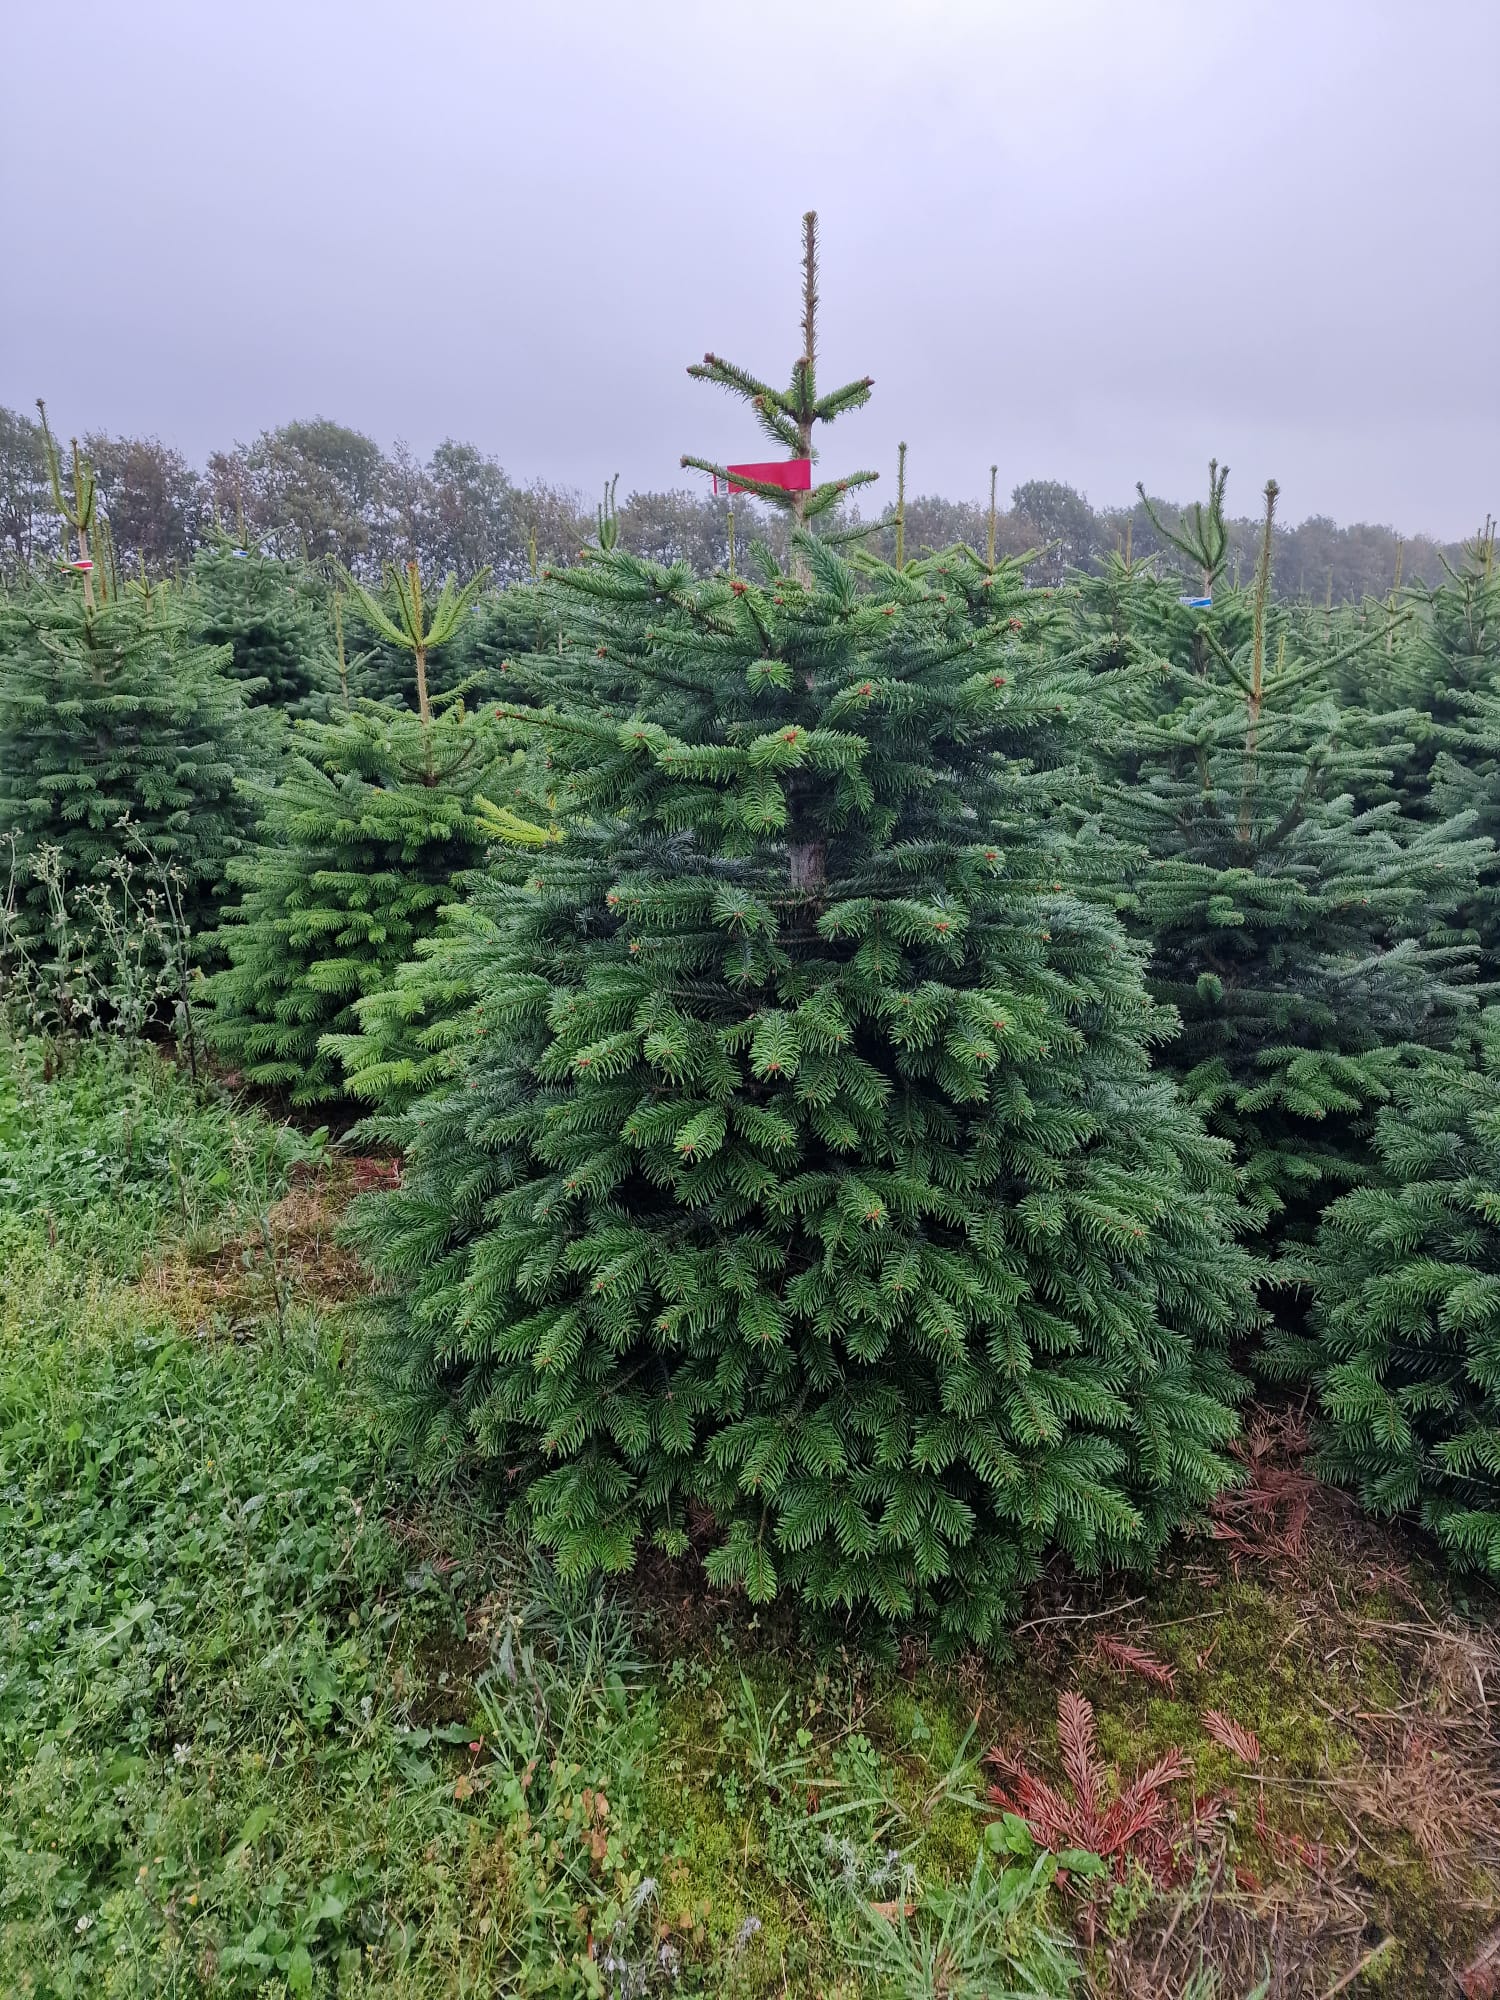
317 490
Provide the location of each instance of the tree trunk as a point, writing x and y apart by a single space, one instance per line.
807 866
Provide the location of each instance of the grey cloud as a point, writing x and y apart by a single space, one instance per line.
1090 242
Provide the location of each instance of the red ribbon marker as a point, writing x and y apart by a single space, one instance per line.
792 475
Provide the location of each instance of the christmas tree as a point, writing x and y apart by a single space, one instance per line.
1291 929
364 838
78 514
1404 1342
503 625
267 612
122 736
1455 647
413 1031
804 1185
1425 666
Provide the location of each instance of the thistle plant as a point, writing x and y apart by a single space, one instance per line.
112 955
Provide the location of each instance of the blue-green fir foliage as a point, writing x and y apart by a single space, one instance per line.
1404 1339
364 837
1431 677
122 738
269 614
803 1191
1299 934
1455 645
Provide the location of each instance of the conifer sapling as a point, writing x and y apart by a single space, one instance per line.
803 1187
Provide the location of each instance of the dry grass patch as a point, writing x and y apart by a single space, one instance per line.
263 1255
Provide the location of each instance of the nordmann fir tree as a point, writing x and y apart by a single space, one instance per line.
365 834
503 624
121 737
1428 677
1054 725
805 1186
1403 1341
267 612
412 1032
1455 648
1289 927
78 511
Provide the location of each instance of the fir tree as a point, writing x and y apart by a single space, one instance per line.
266 612
365 836
78 511
1404 1342
411 1035
1292 929
404 623
504 624
413 1031
1455 644
803 1178
804 1174
113 717
1427 668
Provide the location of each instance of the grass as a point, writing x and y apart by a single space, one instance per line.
103 1156
275 1721
272 1721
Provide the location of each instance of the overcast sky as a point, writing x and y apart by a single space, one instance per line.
1088 240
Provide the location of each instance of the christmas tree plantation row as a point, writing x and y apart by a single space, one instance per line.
868 1040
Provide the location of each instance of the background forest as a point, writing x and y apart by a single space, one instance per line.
314 490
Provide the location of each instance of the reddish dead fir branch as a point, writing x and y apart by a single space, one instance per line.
1123 1824
1133 1659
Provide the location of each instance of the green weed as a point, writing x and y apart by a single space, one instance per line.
980 1940
104 1148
